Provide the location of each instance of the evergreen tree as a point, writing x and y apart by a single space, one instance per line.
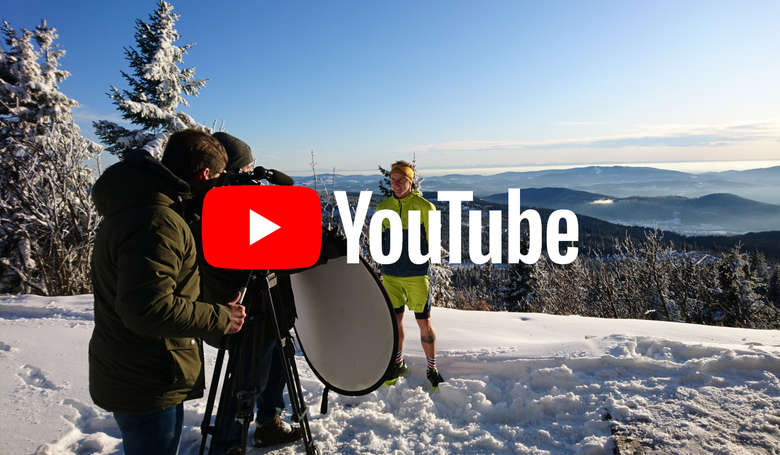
30 102
442 291
741 302
516 289
384 184
46 218
759 266
774 287
157 86
486 290
515 292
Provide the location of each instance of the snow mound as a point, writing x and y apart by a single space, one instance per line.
515 384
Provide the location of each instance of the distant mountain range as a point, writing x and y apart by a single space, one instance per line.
617 181
711 214
598 236
713 203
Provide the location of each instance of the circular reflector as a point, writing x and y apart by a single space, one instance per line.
346 325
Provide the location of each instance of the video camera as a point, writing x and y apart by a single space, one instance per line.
273 177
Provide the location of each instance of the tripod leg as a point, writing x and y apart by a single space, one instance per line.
248 389
287 352
226 410
206 428
236 402
295 392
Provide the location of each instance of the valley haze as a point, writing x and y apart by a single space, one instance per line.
720 203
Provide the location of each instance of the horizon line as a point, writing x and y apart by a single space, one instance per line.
663 165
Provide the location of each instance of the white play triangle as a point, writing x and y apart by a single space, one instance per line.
259 226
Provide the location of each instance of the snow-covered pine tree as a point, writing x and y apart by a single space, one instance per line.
384 184
774 286
516 290
741 300
486 290
47 221
442 291
31 102
157 86
760 266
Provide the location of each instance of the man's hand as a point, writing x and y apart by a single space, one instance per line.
237 315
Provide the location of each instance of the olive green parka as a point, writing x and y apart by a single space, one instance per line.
145 353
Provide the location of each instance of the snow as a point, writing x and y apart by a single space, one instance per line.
517 383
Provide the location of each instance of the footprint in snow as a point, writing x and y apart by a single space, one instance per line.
34 377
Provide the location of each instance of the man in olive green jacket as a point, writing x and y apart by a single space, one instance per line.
145 355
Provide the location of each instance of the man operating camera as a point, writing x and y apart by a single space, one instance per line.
260 368
145 352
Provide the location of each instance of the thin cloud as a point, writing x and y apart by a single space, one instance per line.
584 123
663 136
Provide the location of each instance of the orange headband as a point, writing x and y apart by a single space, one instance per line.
406 171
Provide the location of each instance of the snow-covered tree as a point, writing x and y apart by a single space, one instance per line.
384 184
774 287
156 88
442 291
516 290
741 301
29 97
46 219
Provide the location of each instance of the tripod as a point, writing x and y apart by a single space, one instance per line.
241 387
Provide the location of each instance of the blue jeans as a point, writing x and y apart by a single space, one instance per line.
157 433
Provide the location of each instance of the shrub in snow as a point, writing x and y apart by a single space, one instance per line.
47 221
741 301
773 293
442 292
157 87
647 280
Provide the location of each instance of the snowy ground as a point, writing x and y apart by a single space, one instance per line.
516 383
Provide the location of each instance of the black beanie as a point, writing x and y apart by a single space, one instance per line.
238 152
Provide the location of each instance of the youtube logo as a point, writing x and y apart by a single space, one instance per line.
261 227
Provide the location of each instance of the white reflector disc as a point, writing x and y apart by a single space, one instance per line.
346 325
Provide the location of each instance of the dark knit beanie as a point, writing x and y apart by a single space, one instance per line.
238 152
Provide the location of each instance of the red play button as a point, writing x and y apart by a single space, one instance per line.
262 227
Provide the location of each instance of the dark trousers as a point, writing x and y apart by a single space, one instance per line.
271 401
157 433
269 381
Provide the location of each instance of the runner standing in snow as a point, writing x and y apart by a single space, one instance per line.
407 283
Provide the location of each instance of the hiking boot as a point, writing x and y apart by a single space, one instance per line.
434 377
276 432
398 370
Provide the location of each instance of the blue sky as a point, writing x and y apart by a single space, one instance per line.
454 83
